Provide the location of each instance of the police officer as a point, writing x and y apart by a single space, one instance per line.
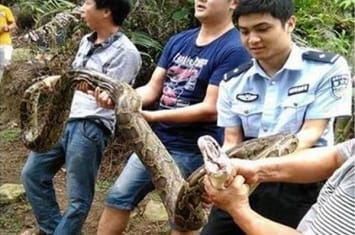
284 89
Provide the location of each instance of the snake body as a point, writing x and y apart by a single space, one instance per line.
181 198
217 162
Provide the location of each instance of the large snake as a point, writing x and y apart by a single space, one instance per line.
43 116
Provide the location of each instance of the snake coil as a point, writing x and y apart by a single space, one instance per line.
181 198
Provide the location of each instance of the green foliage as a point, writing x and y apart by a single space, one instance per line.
32 14
346 4
9 135
151 23
185 12
43 11
327 24
10 223
102 185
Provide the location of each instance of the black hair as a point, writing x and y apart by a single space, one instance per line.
119 9
279 9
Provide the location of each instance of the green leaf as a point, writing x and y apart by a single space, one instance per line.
180 14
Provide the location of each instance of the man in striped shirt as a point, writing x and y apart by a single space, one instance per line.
334 211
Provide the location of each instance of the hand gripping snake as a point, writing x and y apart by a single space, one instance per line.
43 116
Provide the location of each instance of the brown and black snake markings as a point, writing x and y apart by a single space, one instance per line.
181 198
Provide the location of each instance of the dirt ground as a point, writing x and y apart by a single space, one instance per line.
18 216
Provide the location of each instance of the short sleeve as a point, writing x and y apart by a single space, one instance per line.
233 58
9 16
333 96
226 118
125 66
164 57
347 148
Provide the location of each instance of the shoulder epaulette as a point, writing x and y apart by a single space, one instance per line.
320 56
239 70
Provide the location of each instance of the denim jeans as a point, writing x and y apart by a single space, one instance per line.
80 148
134 182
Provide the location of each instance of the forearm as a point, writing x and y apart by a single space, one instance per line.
148 95
232 136
151 91
194 113
254 224
310 133
310 165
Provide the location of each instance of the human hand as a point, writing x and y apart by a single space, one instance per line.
103 99
247 168
49 82
206 200
233 197
5 28
84 87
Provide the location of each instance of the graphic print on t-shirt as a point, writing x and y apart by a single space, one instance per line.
181 77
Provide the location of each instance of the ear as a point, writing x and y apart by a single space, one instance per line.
290 24
107 13
233 4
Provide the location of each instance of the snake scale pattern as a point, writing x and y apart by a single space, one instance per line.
43 116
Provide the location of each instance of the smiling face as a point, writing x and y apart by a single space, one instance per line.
265 37
214 10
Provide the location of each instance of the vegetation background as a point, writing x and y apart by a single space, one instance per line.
325 24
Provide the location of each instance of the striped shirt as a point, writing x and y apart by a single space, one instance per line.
334 212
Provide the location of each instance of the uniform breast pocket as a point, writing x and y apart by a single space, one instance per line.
293 111
250 115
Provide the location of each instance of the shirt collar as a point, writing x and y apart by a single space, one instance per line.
294 61
92 37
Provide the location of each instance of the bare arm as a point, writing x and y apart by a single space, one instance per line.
10 22
232 136
234 200
204 111
310 132
305 166
253 223
152 90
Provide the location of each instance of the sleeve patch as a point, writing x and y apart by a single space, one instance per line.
339 83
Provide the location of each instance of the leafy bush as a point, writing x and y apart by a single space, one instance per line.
149 26
328 25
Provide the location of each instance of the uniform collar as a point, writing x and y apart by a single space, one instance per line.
294 61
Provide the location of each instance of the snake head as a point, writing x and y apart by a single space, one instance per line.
217 163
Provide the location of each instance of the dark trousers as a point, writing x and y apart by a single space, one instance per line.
280 202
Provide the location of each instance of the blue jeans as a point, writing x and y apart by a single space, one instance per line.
80 148
134 182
